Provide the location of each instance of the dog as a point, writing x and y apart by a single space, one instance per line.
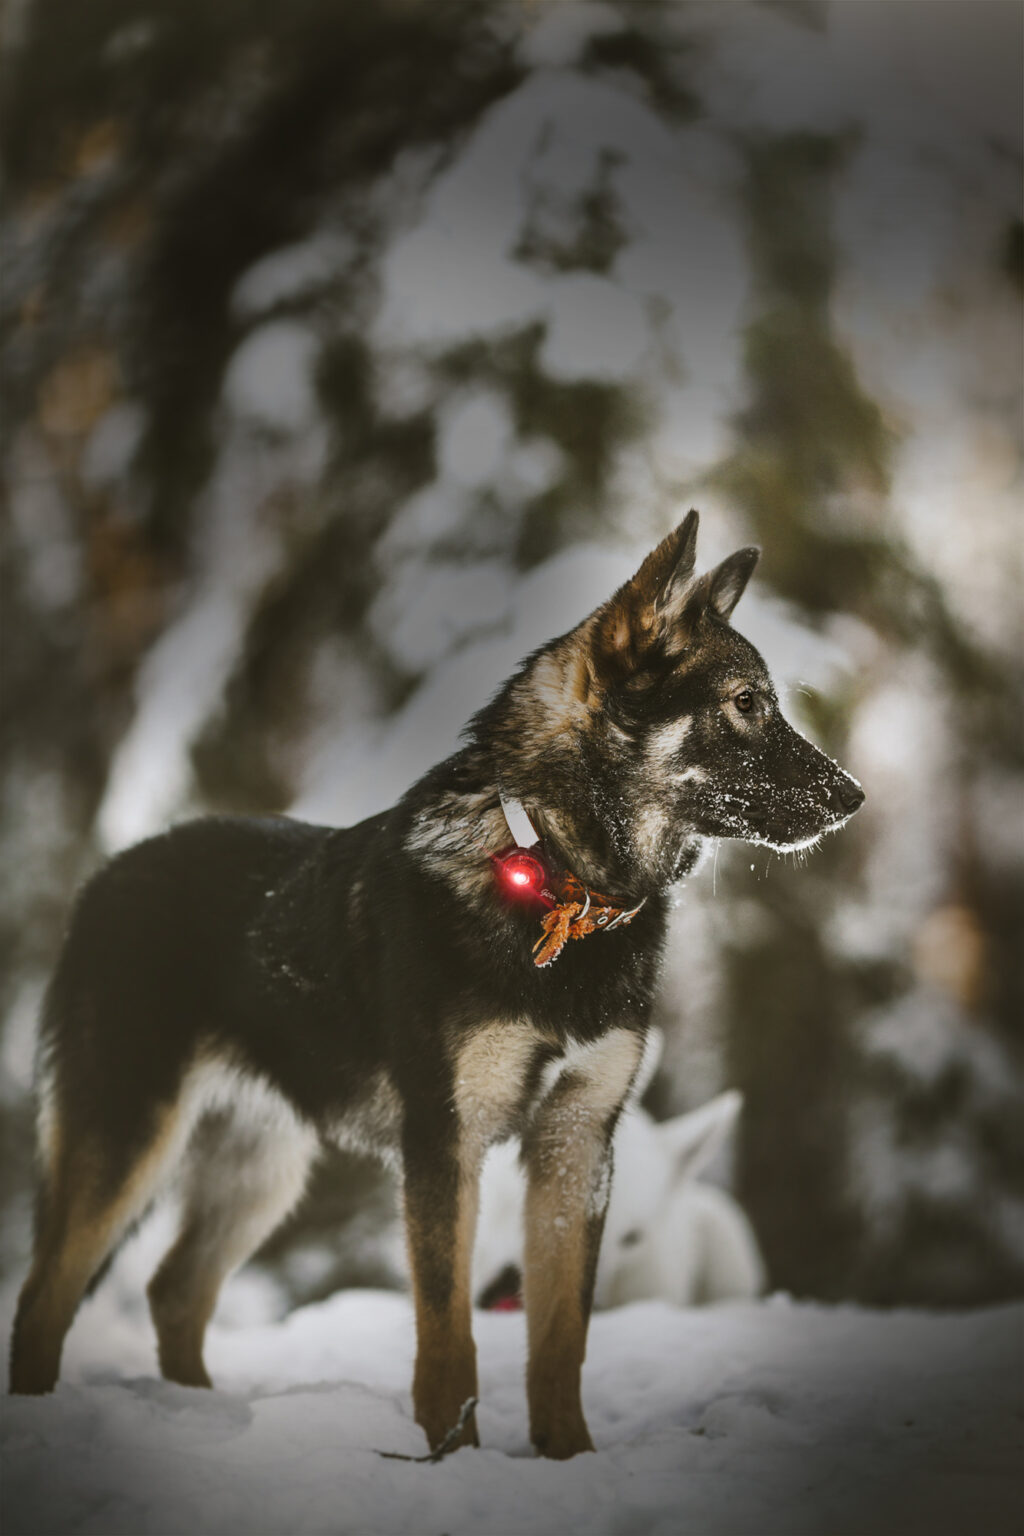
667 1236
478 962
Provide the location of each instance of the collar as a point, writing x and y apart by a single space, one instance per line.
524 833
575 909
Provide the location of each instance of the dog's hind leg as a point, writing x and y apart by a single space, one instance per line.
91 1194
243 1174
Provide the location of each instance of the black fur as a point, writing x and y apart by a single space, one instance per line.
321 962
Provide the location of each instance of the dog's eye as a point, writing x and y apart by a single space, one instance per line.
744 701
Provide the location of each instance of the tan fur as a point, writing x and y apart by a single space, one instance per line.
445 1371
470 824
246 1167
243 1170
48 1140
81 1226
619 634
371 1124
555 1263
562 688
491 1071
604 1066
557 698
651 606
568 1179
664 744
649 832
490 1074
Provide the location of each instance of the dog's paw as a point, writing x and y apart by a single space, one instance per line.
563 1440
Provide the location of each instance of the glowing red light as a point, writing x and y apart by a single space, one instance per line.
521 872
507 1304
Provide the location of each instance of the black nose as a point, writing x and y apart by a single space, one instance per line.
847 797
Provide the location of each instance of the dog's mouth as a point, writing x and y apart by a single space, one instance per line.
799 825
781 840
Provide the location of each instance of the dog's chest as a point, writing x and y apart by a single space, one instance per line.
496 1074
371 1121
505 1071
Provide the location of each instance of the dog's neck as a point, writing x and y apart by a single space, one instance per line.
574 910
586 851
543 830
571 859
577 786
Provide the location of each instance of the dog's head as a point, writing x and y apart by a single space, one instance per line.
654 725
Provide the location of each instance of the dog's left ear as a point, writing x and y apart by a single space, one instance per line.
654 614
644 611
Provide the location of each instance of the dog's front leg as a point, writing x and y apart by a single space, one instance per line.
440 1217
567 1152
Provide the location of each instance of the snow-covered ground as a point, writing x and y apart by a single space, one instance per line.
756 1420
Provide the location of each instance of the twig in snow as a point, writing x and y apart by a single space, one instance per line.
447 1444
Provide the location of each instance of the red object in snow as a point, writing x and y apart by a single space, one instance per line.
507 1304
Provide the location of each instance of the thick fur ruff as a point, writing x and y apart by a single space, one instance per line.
237 992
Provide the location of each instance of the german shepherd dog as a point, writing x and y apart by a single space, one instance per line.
477 963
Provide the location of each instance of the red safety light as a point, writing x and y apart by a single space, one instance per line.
521 873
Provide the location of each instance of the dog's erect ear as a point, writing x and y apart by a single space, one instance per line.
647 607
721 589
690 1141
661 580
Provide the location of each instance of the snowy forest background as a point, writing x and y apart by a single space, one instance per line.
350 351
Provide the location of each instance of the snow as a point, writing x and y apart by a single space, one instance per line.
597 331
181 681
762 1418
18 1043
41 527
365 773
474 435
926 1034
269 381
422 615
754 1420
559 33
237 547
950 82
112 444
666 1236
534 157
928 1038
430 515
290 273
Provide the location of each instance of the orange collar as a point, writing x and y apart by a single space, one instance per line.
577 912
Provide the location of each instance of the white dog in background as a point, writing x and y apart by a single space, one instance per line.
666 1236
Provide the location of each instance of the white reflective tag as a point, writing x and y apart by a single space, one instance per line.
523 831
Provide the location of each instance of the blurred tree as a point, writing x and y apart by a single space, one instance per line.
326 331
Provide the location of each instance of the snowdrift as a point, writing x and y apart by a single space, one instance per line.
759 1419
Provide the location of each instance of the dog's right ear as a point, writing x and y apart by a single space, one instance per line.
644 612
